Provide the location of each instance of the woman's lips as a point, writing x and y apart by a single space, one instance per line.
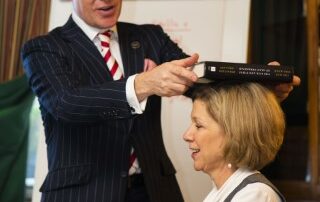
194 152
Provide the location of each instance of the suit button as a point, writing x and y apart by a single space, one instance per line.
114 112
124 174
103 114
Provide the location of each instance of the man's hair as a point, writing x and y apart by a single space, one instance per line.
252 119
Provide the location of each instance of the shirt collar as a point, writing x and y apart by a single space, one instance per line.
91 31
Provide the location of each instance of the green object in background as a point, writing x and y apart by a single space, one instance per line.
15 103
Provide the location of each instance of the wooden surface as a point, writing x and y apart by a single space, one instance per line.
313 89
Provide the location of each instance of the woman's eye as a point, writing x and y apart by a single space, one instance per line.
198 126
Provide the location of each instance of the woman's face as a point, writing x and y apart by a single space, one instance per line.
206 140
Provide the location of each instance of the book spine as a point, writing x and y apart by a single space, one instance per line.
248 72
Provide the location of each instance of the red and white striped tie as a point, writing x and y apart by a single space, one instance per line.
117 74
133 163
112 64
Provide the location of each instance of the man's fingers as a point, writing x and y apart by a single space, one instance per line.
274 63
167 79
181 69
183 80
282 96
187 62
296 81
284 88
173 90
184 73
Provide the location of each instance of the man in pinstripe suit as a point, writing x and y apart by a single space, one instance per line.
92 121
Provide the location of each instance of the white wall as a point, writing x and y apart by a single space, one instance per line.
216 29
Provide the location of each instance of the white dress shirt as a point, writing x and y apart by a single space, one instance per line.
92 33
255 192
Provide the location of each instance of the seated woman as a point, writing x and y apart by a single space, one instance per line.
236 129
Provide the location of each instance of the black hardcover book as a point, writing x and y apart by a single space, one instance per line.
209 71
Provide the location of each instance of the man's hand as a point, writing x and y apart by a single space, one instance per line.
282 90
168 79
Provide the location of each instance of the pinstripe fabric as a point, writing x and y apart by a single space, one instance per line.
88 125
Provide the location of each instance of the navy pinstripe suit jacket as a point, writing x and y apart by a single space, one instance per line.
88 123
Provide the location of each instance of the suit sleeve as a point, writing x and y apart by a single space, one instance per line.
160 47
51 77
168 51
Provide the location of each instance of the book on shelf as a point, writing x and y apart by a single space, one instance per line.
210 71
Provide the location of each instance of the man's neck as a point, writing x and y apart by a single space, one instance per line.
89 30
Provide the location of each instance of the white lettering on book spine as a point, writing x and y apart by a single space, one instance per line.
213 68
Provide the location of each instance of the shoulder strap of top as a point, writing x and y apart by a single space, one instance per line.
257 177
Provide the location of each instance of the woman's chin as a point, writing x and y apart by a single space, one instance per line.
197 168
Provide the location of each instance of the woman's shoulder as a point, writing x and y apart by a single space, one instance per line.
258 192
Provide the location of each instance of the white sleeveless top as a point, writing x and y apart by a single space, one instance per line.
255 192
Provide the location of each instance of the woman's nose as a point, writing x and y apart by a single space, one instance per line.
187 136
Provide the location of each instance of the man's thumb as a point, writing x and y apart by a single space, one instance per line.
187 62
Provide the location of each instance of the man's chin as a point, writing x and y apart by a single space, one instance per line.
103 23
106 26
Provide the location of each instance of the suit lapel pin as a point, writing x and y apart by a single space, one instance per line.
135 44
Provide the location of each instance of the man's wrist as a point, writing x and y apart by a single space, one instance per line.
137 106
141 88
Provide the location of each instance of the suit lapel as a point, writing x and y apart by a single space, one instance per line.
86 51
131 48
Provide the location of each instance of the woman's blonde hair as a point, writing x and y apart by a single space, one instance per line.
252 119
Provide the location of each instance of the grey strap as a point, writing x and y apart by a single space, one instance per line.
257 177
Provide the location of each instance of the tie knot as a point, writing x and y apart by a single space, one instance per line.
105 38
107 33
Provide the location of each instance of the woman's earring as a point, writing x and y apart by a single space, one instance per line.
229 165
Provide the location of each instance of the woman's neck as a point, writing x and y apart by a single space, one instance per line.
221 175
